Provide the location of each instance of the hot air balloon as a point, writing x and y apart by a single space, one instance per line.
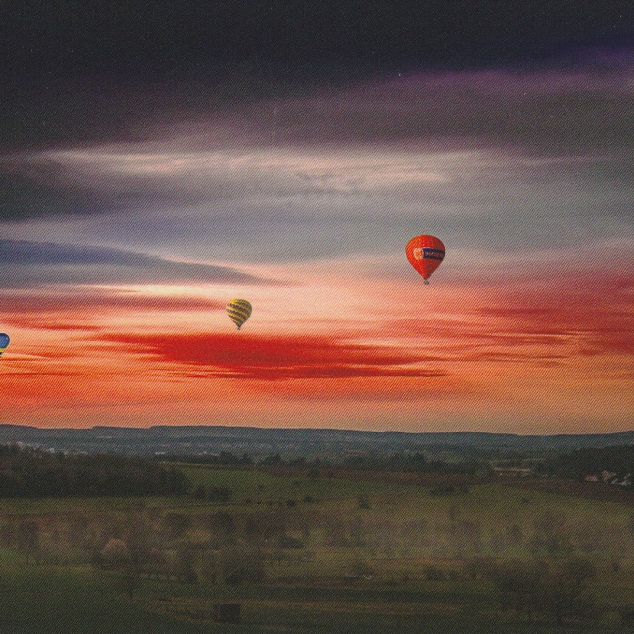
425 254
4 342
239 311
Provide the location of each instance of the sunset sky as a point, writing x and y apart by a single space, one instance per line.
137 197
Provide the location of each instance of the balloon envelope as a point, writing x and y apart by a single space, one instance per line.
239 310
425 254
4 341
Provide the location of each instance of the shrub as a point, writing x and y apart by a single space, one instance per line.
432 573
242 565
221 495
115 554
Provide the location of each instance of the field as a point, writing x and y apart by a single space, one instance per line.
316 552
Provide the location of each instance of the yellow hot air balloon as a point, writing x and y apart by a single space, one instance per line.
239 311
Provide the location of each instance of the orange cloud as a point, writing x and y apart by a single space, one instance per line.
568 317
597 317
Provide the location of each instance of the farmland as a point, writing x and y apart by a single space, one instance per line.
317 551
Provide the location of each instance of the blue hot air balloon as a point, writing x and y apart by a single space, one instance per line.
4 342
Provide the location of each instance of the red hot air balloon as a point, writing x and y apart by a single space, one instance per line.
425 254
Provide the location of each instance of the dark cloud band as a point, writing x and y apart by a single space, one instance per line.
24 263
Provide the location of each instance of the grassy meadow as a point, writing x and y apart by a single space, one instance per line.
317 552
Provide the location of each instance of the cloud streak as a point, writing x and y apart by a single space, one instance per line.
275 358
102 299
24 264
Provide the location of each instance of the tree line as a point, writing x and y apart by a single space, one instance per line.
404 461
32 472
580 463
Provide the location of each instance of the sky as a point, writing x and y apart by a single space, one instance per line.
156 163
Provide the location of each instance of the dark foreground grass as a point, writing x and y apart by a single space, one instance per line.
46 600
43 599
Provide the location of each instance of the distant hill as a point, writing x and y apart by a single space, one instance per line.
205 440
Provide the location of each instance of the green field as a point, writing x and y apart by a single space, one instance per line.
310 553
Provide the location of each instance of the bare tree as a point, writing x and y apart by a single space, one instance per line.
175 524
552 535
565 589
533 586
28 539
